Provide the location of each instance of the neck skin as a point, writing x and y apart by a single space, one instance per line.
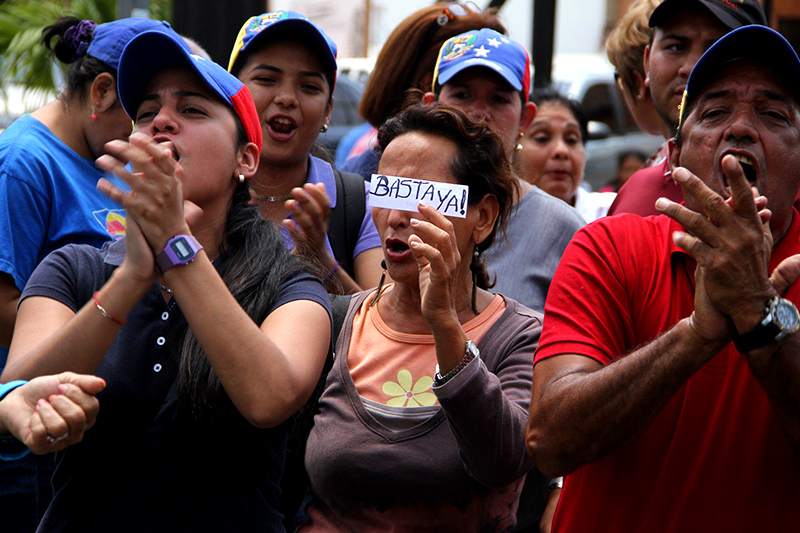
400 306
66 119
277 180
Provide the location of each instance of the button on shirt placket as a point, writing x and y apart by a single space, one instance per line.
161 338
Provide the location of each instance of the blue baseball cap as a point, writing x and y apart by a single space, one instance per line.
110 39
152 51
754 42
256 28
484 48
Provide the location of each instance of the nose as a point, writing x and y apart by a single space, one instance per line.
560 150
690 60
285 96
479 110
398 219
164 121
742 127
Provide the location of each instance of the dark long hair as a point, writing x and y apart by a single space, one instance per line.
253 265
71 50
480 162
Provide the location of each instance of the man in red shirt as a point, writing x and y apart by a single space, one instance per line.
682 31
667 380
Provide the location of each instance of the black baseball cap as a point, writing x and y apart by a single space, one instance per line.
731 13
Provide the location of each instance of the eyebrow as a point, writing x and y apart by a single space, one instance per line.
304 73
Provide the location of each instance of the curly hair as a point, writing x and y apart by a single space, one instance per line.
626 43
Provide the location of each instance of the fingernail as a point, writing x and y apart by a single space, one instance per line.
680 174
62 388
413 244
41 402
423 204
662 203
676 236
414 222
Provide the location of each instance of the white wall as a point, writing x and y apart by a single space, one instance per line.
579 23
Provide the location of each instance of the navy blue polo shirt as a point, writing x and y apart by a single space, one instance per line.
162 471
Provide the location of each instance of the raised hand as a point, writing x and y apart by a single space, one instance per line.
732 244
435 248
311 210
155 199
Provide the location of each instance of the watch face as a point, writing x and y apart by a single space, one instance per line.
182 249
786 316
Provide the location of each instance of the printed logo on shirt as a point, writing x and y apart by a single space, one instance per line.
112 220
405 393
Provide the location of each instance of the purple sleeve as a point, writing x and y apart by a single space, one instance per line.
487 408
368 237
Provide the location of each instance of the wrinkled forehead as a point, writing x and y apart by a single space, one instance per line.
741 76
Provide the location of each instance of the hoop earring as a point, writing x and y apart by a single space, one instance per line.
324 128
380 284
241 178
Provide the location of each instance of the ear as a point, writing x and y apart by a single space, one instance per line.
528 114
428 98
328 110
642 92
488 210
673 154
646 63
247 162
103 92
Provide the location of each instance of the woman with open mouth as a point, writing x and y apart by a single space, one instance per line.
421 423
207 331
289 65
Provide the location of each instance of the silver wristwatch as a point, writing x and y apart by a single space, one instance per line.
470 352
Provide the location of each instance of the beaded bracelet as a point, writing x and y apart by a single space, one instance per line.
104 312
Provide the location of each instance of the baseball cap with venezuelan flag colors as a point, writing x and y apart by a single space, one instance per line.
256 30
149 52
484 48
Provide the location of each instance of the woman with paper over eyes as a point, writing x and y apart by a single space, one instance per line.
420 424
225 334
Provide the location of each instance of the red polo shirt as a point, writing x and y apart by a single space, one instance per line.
714 458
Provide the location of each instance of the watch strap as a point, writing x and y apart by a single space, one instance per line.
470 353
767 331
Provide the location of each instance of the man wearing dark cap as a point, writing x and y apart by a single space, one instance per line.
682 31
667 380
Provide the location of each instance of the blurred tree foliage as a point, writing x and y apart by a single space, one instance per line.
23 59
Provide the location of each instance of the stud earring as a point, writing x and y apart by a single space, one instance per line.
241 178
324 128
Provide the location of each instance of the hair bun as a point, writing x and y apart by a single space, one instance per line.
78 37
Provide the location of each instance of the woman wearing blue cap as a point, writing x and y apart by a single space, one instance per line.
48 196
289 65
193 320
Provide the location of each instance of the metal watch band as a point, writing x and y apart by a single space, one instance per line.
470 353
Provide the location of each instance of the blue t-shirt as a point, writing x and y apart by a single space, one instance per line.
48 198
163 471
